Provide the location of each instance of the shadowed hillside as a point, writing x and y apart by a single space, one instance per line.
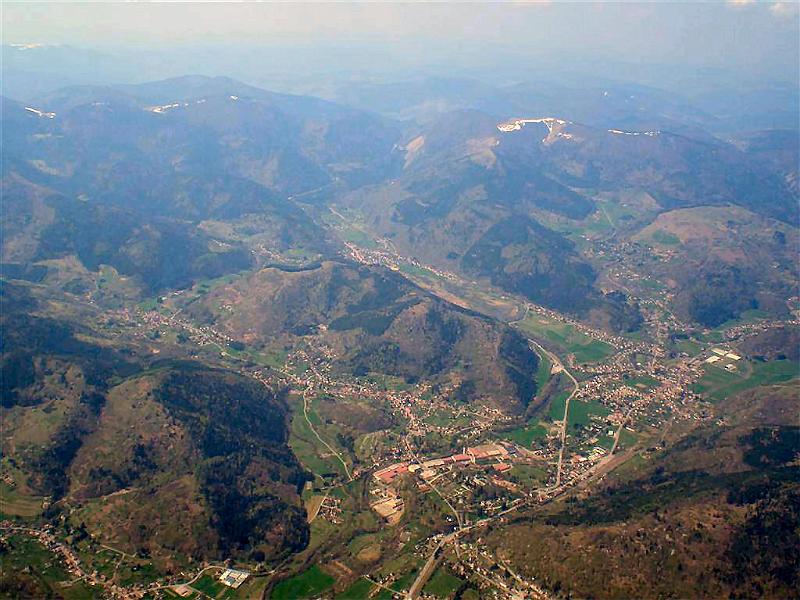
377 322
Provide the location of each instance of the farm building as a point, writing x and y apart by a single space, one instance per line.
233 578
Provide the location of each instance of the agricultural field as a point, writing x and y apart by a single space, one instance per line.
748 316
349 229
717 334
525 436
360 590
543 372
134 572
172 302
309 450
617 210
626 440
387 382
718 384
567 338
528 475
210 586
101 560
690 347
443 584
308 584
665 238
356 236
252 588
763 373
556 410
580 412
415 271
401 585
15 504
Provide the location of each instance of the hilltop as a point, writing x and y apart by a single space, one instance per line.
375 321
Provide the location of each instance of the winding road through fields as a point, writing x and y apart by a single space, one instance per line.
558 367
316 433
561 369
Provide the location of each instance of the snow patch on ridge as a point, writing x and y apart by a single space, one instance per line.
647 133
41 113
554 128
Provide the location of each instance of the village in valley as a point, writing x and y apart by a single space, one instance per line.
413 498
400 510
400 300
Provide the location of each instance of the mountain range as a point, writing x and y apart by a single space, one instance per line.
188 263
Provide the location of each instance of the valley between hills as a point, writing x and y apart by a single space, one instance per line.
462 359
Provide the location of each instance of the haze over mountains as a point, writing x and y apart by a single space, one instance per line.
444 191
238 324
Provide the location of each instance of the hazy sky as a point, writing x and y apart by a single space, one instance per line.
754 36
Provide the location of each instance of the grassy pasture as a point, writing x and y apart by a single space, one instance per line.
718 384
13 503
309 584
212 587
556 411
690 347
308 449
524 436
443 584
528 475
543 371
567 338
580 412
360 590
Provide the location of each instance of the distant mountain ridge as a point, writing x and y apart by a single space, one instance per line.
229 165
106 155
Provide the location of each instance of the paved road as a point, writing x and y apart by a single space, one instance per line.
433 487
619 431
433 559
429 568
314 431
561 368
436 555
558 364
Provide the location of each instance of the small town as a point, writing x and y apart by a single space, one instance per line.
400 300
636 388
